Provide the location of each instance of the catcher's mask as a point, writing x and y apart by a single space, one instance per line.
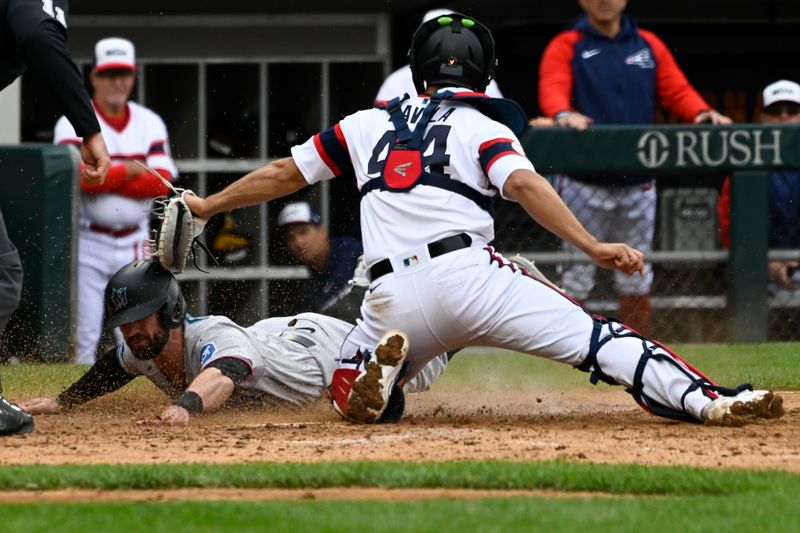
141 288
452 50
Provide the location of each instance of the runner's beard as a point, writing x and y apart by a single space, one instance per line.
146 351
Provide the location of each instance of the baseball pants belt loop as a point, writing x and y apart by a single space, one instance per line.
436 248
299 339
117 233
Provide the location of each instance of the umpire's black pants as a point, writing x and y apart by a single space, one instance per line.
10 276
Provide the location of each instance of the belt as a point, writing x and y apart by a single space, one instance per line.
117 233
299 339
436 248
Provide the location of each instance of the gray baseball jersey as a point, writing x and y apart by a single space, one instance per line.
292 358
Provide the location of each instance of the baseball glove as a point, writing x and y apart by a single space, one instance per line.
177 234
178 230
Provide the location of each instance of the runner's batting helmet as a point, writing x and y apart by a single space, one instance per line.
141 288
452 50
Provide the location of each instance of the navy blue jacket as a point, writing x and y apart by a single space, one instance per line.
619 80
322 286
784 209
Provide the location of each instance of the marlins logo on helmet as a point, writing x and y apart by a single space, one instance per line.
119 297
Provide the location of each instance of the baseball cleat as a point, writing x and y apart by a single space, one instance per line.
14 420
749 404
371 389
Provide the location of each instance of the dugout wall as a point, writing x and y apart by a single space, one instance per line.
38 192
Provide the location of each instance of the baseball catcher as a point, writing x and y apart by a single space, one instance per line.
203 362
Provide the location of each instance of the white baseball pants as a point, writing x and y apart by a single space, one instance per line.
475 297
99 257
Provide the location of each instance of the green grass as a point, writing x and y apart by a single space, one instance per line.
658 498
653 515
628 497
773 366
33 380
552 475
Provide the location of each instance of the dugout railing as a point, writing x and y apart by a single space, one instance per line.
746 152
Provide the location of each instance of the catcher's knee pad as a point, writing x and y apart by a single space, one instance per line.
619 355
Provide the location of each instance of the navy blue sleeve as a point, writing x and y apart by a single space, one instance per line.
322 286
106 375
38 40
345 255
784 209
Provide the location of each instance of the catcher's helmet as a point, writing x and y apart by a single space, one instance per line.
141 288
452 50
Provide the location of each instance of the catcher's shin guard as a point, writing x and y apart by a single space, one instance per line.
670 388
363 393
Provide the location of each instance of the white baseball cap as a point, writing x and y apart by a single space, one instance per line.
298 212
114 53
781 91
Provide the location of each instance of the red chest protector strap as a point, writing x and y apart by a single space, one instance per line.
403 167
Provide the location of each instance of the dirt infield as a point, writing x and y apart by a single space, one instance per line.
593 425
257 495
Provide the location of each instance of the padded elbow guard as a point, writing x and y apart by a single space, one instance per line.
235 369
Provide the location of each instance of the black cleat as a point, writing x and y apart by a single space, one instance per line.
13 420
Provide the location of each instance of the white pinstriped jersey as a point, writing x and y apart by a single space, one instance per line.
143 137
459 142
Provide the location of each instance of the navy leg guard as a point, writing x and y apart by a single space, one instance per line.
607 331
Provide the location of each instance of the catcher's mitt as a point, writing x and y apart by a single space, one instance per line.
177 235
179 229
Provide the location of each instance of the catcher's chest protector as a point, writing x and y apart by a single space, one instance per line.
403 167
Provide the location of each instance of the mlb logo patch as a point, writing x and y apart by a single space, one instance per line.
206 352
410 261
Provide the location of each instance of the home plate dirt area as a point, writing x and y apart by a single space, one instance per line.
589 425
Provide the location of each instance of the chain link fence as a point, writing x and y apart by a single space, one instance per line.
690 291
